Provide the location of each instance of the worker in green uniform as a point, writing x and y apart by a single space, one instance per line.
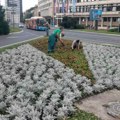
53 38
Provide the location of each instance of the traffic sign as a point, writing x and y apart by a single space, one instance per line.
95 14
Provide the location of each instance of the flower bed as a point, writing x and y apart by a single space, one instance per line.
104 62
34 86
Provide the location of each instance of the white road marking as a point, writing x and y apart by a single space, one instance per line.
12 37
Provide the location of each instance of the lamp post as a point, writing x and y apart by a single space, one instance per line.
13 16
118 24
13 5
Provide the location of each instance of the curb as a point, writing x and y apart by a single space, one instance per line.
103 44
16 32
21 42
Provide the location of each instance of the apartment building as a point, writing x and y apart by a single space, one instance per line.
53 9
13 11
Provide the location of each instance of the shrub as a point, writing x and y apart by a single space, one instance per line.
113 30
69 22
80 26
4 27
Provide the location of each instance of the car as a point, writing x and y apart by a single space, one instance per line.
21 26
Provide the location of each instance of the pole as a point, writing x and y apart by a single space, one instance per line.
13 10
13 17
119 28
118 24
96 24
53 20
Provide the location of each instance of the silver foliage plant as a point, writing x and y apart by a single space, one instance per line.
104 61
35 86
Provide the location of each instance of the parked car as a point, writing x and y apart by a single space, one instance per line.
21 26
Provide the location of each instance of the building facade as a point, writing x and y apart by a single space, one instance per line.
13 11
45 8
56 9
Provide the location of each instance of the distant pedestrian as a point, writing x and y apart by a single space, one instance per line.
76 44
53 38
47 28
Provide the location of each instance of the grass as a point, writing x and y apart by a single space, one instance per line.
15 29
73 59
81 115
100 31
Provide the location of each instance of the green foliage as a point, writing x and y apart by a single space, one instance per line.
113 30
4 27
76 58
80 26
81 115
69 22
15 29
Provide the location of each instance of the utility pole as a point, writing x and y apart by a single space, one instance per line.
13 5
118 24
13 15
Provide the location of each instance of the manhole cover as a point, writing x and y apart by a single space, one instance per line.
113 109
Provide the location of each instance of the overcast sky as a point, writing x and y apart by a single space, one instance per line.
26 4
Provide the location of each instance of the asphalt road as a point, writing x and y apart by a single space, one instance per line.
69 34
90 37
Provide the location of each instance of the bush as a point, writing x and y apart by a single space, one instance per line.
80 26
69 22
113 30
4 28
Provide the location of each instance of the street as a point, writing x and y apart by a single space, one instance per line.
69 34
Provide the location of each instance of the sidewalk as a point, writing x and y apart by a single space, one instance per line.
96 104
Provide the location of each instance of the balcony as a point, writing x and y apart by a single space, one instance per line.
86 14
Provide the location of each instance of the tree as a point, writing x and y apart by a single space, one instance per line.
4 27
70 22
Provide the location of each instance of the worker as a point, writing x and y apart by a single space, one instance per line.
53 38
76 44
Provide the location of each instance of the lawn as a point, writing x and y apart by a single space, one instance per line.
81 115
15 29
100 31
73 59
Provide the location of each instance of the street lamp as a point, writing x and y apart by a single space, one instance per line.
13 12
13 5
118 24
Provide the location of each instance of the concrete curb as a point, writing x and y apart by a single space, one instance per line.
95 33
21 42
103 44
16 32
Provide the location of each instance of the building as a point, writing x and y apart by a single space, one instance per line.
33 11
13 11
57 9
45 8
